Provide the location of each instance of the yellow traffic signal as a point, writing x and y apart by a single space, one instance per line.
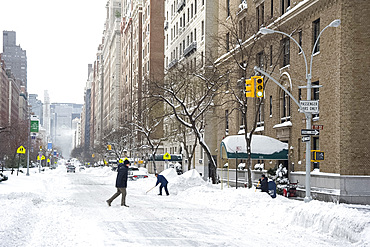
109 147
249 88
259 86
318 155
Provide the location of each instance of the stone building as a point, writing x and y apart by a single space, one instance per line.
4 92
15 57
189 28
339 72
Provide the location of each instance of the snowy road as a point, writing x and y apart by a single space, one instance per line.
56 208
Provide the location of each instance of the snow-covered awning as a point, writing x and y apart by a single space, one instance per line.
262 148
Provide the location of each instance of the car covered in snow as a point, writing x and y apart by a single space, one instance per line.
71 168
135 173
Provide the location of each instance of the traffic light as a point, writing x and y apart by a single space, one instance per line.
259 86
318 156
109 147
249 88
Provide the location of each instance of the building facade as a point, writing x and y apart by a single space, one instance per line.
15 57
338 76
190 28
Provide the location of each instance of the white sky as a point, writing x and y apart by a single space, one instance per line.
61 39
56 208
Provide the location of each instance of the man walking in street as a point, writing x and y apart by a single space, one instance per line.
163 181
121 180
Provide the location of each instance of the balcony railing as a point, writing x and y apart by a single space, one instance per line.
191 48
172 63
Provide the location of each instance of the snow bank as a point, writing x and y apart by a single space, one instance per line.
337 220
185 181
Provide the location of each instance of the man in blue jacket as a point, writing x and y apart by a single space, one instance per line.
163 181
121 181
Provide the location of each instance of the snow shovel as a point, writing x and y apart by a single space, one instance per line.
150 189
257 185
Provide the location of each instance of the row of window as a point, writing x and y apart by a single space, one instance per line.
260 10
284 44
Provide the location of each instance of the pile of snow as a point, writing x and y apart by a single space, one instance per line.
169 174
185 181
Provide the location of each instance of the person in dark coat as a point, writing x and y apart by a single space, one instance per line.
121 181
264 183
163 181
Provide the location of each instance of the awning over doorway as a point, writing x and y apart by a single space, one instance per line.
262 148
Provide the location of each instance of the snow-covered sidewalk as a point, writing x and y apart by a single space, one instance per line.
56 208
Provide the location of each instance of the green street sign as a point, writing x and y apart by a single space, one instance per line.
34 126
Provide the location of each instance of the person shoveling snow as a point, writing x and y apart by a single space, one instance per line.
163 181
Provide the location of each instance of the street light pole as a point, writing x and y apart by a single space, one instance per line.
308 115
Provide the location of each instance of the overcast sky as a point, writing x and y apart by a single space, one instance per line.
61 39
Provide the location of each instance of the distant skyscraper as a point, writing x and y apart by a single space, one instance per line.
47 114
62 131
15 57
36 107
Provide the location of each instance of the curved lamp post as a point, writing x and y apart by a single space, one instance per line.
334 23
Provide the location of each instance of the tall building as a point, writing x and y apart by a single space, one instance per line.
112 66
339 79
46 116
190 27
85 123
15 57
36 107
4 95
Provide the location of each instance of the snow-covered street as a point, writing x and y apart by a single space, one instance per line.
56 208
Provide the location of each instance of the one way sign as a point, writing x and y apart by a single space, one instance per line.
310 132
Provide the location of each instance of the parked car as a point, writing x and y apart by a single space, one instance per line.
135 173
71 168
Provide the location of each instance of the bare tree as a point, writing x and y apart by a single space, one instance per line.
148 132
12 138
189 93
244 48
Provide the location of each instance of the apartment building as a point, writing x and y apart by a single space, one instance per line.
97 86
112 64
4 92
142 62
15 57
339 72
190 27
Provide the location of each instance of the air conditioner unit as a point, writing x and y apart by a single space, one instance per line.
243 5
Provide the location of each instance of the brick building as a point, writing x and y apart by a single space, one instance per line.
340 66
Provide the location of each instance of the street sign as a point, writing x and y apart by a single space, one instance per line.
311 106
21 150
34 126
310 132
50 146
166 156
306 138
318 127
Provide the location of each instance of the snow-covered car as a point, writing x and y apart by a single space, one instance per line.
71 168
135 173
